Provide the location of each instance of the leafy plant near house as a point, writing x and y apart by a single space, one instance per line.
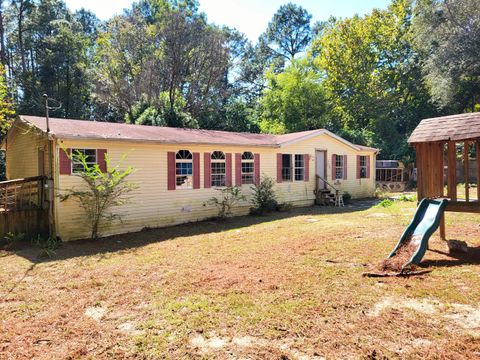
102 192
10 239
229 197
264 198
47 246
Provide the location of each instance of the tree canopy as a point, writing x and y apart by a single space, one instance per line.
369 78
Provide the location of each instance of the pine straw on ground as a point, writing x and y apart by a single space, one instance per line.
279 286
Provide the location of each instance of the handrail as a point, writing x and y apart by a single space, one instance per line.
22 180
326 182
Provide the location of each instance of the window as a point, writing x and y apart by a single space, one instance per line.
363 167
339 167
299 167
91 159
184 170
248 168
218 169
286 167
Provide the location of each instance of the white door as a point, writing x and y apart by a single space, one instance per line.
320 157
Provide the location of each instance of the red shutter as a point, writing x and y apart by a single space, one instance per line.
171 170
256 166
306 161
334 160
368 167
206 170
238 169
345 167
279 168
65 162
102 163
228 169
196 170
359 167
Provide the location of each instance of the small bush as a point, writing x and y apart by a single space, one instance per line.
285 207
406 198
10 239
385 203
47 246
380 193
229 197
264 198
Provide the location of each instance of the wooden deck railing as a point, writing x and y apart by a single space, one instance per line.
22 194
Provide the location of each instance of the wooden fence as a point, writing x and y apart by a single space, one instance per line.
23 209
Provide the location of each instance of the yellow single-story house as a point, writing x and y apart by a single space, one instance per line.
179 170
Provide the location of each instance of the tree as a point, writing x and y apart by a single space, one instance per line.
373 78
447 33
294 100
102 193
49 51
162 47
7 111
289 33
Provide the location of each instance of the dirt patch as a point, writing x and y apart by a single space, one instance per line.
402 256
460 316
421 306
241 345
95 313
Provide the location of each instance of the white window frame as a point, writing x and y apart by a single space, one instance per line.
187 185
302 168
73 162
248 178
339 167
364 159
215 161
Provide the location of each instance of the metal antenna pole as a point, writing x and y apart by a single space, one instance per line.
45 96
50 181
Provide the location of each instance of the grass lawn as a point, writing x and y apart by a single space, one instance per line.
283 286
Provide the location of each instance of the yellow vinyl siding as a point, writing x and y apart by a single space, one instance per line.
300 192
22 146
154 206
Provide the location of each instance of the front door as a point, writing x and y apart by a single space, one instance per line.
321 165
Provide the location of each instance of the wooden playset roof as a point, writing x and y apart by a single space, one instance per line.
447 128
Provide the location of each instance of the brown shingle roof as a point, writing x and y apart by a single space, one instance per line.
455 127
96 130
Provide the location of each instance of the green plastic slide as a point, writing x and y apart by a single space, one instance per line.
425 222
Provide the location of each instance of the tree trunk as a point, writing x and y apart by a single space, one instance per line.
3 55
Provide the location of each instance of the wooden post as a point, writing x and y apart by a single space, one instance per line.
452 171
442 228
477 143
466 170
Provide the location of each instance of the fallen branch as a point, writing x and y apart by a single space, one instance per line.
395 274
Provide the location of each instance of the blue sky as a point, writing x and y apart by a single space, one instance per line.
249 16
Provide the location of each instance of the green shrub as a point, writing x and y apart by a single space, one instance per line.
229 197
10 239
103 192
263 198
385 203
47 246
285 207
406 198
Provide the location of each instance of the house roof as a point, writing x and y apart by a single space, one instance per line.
447 128
97 130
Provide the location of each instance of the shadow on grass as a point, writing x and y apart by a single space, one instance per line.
132 241
471 257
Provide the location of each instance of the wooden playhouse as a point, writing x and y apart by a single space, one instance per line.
438 142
